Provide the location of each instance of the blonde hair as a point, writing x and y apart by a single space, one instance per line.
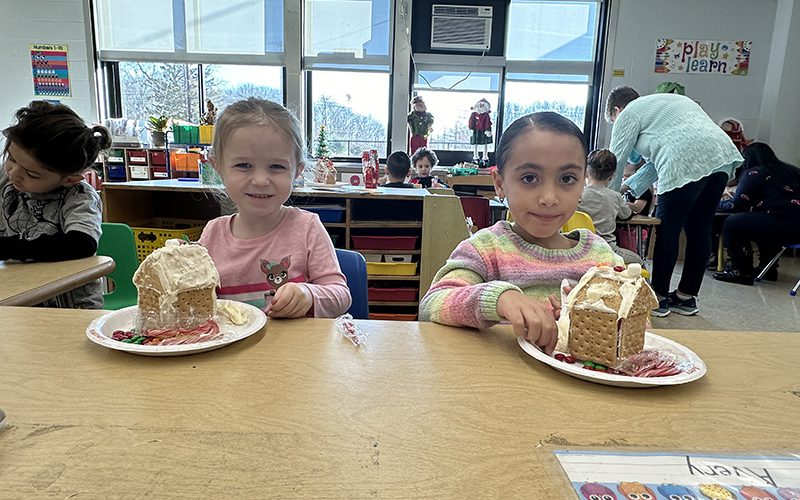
252 111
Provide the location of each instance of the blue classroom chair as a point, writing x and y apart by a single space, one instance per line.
118 243
354 268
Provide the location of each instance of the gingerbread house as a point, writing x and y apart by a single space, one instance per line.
177 287
607 313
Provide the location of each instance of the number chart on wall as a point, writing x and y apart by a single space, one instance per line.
50 70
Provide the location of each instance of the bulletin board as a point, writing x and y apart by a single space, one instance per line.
50 70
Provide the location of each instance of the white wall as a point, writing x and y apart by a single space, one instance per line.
641 22
779 119
23 22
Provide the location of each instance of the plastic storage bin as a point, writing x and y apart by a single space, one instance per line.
158 165
392 268
206 134
393 294
151 234
185 134
373 257
393 317
397 257
327 213
385 242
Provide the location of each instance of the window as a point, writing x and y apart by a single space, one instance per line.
226 84
354 107
449 95
522 98
234 28
346 51
551 47
173 89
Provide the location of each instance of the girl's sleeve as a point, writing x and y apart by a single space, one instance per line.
461 294
747 192
326 282
624 135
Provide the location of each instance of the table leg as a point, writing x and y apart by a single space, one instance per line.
639 242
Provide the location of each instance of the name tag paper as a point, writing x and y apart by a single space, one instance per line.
599 475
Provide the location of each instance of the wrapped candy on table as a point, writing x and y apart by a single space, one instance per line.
348 329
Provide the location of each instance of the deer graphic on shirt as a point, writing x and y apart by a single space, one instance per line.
277 273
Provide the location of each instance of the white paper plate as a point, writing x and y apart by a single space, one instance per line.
101 329
651 341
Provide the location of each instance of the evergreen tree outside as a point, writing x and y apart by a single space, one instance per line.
322 150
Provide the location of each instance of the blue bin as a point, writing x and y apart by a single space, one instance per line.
327 213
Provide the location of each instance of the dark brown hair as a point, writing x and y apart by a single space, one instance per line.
398 164
619 97
602 164
57 137
544 120
424 152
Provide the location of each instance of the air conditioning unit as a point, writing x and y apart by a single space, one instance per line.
461 27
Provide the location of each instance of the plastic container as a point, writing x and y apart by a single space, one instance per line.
385 242
327 213
185 134
373 257
393 317
392 268
151 234
158 164
397 257
206 134
393 294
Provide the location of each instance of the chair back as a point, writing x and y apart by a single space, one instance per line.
354 268
579 220
476 207
118 243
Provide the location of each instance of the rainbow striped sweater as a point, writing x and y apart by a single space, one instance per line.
495 260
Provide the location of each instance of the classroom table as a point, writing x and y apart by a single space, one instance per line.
30 283
419 410
638 223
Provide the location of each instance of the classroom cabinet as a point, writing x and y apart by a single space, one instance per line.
405 238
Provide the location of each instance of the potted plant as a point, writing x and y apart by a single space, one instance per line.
158 126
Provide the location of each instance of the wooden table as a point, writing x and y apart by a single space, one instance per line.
27 284
639 223
420 410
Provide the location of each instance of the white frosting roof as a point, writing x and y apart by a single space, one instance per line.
177 267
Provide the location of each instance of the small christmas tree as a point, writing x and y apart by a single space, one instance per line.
322 144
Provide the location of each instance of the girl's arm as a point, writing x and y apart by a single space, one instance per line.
747 192
461 294
48 248
326 282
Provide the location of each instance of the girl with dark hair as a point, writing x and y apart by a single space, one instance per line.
766 209
513 272
422 162
48 212
690 159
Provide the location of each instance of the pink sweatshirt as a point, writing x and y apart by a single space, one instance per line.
300 241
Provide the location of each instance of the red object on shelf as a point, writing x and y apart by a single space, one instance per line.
384 242
393 294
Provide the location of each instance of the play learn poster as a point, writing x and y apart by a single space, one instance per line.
725 57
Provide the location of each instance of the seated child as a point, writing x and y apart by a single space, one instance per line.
513 272
398 164
49 212
605 205
423 161
272 256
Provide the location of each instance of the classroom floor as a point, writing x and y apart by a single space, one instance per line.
766 306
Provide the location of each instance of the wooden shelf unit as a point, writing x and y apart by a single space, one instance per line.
435 219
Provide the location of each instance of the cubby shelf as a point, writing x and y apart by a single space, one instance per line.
436 221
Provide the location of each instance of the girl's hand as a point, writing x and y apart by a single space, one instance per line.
531 319
435 183
290 301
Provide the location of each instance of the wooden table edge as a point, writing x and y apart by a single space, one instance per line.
41 293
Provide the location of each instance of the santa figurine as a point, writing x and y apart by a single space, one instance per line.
480 122
420 123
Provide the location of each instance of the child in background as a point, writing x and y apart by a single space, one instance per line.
513 272
398 164
605 205
423 161
642 205
275 257
48 211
